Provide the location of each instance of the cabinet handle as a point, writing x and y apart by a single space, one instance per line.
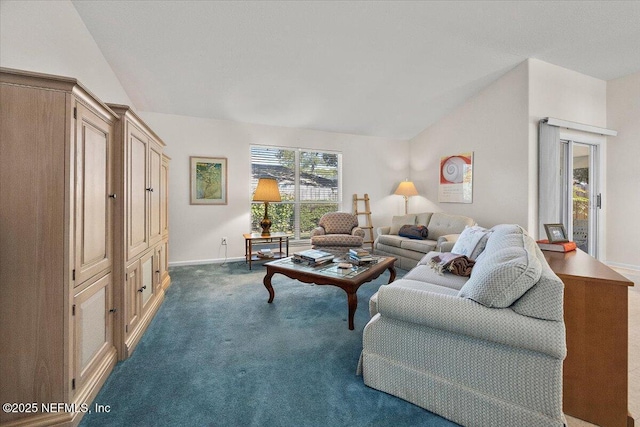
113 196
142 288
158 271
150 189
113 310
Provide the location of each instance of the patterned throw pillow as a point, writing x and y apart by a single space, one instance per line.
471 242
418 232
502 277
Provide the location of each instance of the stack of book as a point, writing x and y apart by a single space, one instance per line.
556 247
360 256
265 253
312 257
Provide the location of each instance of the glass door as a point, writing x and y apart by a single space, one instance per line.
581 199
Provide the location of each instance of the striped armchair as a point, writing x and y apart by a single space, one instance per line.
337 232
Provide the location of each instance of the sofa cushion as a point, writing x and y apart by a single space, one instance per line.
503 276
399 221
411 284
442 223
346 240
423 246
471 242
423 218
504 236
391 240
545 299
426 274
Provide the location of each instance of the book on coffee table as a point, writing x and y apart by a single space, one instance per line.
312 257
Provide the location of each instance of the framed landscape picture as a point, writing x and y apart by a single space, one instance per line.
208 180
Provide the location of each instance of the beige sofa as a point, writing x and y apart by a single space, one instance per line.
483 351
444 230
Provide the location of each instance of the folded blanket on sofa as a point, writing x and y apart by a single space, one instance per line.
456 264
413 231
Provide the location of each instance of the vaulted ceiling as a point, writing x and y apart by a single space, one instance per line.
385 68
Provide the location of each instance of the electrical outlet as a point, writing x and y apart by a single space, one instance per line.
223 241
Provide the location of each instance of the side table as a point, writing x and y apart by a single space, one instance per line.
252 239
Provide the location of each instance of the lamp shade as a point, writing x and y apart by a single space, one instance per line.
267 191
406 188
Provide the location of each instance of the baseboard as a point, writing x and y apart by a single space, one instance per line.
206 261
132 340
631 272
633 269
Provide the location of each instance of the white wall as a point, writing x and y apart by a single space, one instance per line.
623 190
493 125
49 37
370 165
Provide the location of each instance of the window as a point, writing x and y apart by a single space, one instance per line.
309 183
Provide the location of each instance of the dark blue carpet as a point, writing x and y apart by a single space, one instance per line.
217 354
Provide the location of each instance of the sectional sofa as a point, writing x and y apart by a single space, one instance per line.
480 351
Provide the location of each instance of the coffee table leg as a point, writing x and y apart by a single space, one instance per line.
392 274
267 284
352 299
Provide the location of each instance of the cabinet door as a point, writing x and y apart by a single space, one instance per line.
92 189
137 200
93 321
147 274
160 265
132 304
33 150
164 196
164 263
155 193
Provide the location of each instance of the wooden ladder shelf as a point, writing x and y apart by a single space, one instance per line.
367 213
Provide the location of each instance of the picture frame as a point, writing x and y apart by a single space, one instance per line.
208 180
556 233
456 178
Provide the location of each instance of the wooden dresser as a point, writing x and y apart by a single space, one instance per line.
595 383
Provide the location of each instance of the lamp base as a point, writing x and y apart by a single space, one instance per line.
266 227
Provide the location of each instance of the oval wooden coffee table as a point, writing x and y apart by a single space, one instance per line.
348 280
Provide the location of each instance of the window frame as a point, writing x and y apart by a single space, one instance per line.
297 202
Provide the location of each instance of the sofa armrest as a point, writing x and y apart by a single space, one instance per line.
318 231
446 242
383 230
466 317
357 231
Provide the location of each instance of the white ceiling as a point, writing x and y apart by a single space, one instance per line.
385 68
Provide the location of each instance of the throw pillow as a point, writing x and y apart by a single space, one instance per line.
502 277
399 221
471 242
418 232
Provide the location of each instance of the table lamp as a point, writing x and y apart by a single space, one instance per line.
406 189
266 191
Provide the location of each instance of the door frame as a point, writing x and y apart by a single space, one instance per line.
597 162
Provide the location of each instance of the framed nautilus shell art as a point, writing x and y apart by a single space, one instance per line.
456 178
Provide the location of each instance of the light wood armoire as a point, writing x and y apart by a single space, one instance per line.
141 224
69 207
